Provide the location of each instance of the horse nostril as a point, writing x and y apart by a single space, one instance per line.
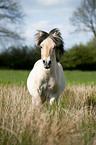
44 61
49 62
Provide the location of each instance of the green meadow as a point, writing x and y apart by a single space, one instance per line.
70 122
72 77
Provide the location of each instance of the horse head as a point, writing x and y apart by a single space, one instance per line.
51 46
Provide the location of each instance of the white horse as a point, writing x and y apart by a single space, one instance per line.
46 81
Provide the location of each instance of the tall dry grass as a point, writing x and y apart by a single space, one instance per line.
71 122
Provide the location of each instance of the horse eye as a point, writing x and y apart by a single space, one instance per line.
41 47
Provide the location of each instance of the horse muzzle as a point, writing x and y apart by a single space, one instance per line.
47 63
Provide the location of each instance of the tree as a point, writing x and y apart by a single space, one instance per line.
10 17
84 18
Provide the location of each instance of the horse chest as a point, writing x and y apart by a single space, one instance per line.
48 86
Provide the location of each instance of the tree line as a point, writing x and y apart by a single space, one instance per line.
19 58
79 57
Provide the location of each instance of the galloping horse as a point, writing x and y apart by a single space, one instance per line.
46 81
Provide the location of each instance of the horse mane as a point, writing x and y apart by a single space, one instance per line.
55 35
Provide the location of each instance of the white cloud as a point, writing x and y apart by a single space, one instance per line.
31 29
49 2
48 14
47 26
69 39
65 3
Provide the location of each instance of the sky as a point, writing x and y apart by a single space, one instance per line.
48 14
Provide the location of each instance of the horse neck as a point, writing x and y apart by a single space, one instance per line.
53 67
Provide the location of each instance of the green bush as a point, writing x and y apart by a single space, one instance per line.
82 57
19 58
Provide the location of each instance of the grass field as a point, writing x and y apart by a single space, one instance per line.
72 77
71 122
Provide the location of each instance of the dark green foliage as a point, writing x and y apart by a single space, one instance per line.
19 58
80 57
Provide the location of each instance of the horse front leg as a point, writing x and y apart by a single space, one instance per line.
54 99
36 99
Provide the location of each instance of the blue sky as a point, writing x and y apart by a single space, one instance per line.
48 14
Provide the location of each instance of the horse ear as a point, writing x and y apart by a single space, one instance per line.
55 33
40 36
37 36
